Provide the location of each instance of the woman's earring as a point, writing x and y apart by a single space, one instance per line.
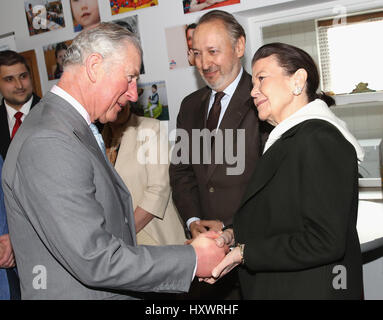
297 91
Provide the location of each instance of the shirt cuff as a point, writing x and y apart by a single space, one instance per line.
190 221
195 268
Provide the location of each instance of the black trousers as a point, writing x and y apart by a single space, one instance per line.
14 284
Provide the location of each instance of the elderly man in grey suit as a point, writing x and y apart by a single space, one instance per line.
70 215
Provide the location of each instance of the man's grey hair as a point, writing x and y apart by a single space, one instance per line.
106 39
233 27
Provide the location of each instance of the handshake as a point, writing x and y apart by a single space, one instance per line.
214 258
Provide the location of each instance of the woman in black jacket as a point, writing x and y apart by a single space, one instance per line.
296 228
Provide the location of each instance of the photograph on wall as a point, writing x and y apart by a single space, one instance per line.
8 42
131 23
85 14
198 5
54 55
44 15
152 101
122 6
179 41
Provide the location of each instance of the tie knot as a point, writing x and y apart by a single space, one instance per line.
219 96
18 115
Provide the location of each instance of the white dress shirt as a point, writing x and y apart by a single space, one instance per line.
229 91
12 111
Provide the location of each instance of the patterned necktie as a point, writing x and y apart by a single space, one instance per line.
215 111
18 122
98 137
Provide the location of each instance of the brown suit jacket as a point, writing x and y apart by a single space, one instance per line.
206 190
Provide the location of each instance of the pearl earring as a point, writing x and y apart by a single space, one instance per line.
297 91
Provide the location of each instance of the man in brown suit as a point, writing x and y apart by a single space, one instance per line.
207 195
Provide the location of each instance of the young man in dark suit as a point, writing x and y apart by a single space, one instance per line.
18 97
207 195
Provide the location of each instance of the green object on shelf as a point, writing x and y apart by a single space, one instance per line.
362 87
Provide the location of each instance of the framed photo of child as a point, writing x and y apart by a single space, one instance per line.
44 16
152 100
179 41
54 55
85 14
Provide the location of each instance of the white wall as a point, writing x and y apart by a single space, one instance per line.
152 23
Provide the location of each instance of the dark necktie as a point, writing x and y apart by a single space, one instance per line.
215 111
17 125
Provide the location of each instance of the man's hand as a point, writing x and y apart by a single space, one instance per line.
208 253
232 259
201 226
7 259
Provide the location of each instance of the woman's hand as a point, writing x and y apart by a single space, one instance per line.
231 260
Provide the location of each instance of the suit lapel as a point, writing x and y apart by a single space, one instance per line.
269 163
80 129
82 132
4 127
88 140
201 121
35 100
239 104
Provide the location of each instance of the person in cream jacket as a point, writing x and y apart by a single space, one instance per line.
135 146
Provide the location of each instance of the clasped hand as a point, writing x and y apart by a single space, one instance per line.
214 259
7 259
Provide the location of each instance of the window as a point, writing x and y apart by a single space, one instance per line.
351 53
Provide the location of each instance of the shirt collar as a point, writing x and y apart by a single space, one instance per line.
72 101
230 89
24 109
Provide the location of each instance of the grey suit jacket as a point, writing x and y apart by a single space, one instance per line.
71 219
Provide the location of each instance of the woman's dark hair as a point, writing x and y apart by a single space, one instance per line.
60 46
291 59
190 26
154 86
